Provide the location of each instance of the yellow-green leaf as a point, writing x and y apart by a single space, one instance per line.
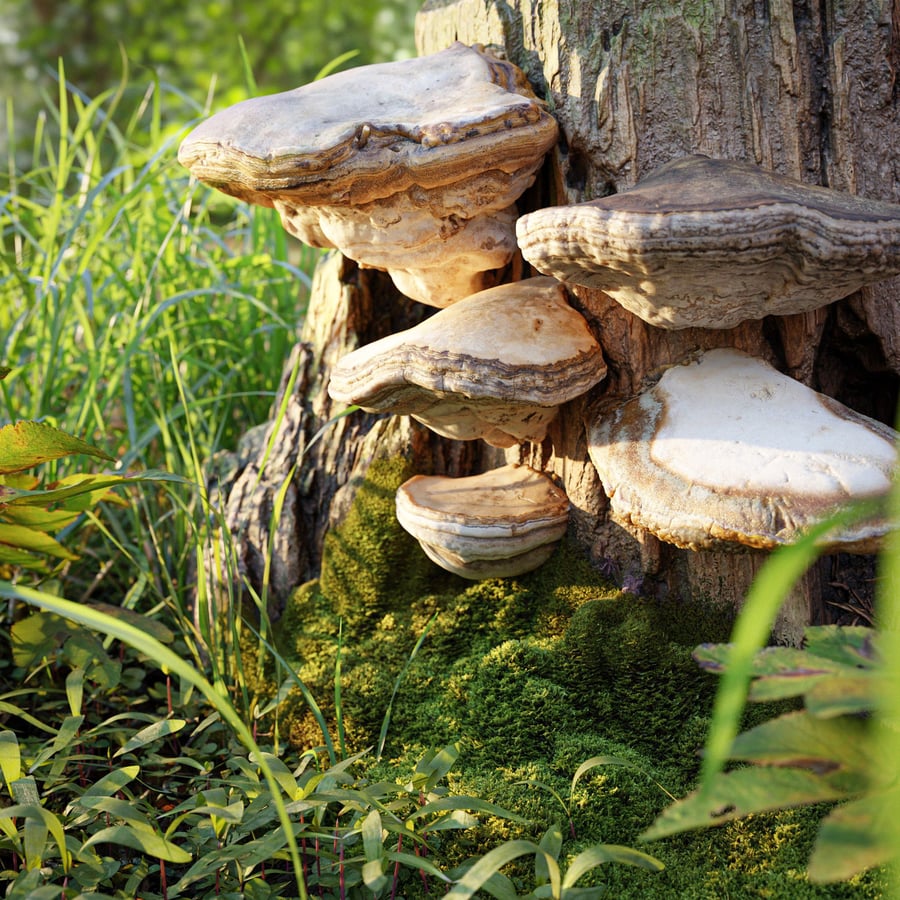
27 444
154 845
21 538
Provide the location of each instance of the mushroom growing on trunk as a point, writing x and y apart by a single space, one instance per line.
496 365
498 524
726 452
709 243
413 166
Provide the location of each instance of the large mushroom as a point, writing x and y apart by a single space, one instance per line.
496 365
411 166
501 523
709 243
724 452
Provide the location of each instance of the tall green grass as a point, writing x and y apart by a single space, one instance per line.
151 316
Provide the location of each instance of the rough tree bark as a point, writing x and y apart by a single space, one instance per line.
808 88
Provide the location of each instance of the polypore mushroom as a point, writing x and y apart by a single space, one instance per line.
410 166
495 365
501 523
725 450
710 242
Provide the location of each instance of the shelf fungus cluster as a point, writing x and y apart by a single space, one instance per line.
412 166
709 243
496 365
494 525
726 451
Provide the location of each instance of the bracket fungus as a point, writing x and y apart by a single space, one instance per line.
412 166
709 243
495 365
725 450
501 523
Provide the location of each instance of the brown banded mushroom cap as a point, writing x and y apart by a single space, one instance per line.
410 166
709 243
502 523
496 365
725 450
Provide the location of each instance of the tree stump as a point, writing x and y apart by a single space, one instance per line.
808 90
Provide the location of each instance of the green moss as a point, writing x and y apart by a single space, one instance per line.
532 676
370 564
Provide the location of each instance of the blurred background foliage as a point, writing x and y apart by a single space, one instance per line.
192 48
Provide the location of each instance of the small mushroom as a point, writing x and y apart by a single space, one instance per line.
709 243
502 523
495 365
410 166
725 451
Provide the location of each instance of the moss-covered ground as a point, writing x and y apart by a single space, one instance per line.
531 677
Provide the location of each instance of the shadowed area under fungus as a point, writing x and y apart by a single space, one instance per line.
532 676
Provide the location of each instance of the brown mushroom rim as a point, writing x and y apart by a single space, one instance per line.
519 342
720 207
510 502
421 122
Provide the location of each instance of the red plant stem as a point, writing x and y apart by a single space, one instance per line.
303 854
397 868
422 874
319 869
162 879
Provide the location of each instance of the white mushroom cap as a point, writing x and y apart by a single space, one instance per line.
709 243
501 523
727 450
496 365
410 166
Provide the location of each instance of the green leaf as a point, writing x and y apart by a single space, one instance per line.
21 538
10 757
373 876
753 626
42 821
596 761
848 645
490 864
846 695
544 864
64 739
803 741
36 636
117 808
75 690
151 733
149 842
854 837
27 444
733 795
373 842
434 766
36 517
604 853
473 804
111 783
152 627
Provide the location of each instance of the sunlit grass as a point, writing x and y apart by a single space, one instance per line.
147 314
